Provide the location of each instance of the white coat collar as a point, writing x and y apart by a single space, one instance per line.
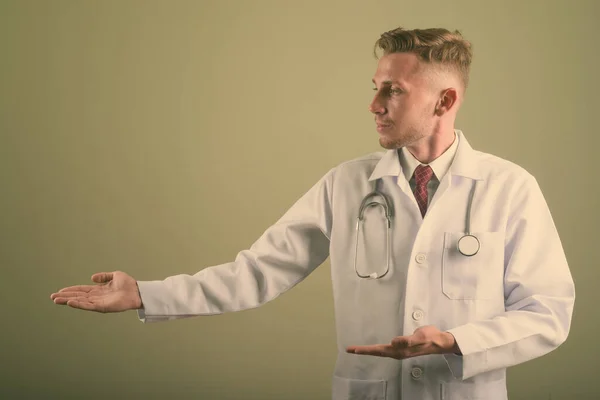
440 165
464 163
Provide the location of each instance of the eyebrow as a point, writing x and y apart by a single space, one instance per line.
386 82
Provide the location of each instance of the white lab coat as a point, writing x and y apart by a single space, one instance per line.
508 304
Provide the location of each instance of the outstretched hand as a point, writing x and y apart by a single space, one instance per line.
116 291
425 340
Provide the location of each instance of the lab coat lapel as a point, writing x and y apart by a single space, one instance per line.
464 164
389 165
465 161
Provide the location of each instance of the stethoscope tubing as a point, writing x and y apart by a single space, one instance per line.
468 245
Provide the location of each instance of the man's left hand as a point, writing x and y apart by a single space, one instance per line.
425 340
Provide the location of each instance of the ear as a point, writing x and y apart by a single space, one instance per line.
448 100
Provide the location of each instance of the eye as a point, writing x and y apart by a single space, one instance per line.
391 90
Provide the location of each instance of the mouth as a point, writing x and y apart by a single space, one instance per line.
383 127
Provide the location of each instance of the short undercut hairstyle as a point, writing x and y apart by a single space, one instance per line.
438 47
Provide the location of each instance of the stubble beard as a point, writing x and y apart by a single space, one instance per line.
399 141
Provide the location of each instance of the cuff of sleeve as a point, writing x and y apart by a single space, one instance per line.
141 314
154 308
473 358
455 363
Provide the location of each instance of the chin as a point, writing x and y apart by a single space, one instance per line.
390 144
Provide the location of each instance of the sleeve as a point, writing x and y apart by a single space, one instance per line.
539 294
285 254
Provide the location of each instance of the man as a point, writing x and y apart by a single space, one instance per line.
468 277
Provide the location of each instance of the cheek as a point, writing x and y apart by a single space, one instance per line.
402 108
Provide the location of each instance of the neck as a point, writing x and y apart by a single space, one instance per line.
431 147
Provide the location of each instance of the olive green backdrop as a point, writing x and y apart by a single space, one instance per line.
162 137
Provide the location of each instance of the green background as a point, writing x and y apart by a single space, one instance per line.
162 137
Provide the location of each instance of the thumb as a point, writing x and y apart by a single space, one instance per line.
102 277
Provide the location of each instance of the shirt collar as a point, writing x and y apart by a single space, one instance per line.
440 165
459 159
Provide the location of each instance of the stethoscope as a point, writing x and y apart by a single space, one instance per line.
468 244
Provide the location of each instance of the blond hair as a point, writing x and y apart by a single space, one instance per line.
448 51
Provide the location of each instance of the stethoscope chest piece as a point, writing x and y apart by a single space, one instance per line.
468 245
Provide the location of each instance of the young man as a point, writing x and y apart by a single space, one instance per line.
466 278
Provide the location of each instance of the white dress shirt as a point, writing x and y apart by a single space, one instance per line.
440 167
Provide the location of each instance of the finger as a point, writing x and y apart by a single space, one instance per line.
70 295
83 305
78 288
63 298
380 350
401 342
102 277
60 300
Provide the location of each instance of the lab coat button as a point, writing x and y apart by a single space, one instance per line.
417 315
416 373
421 258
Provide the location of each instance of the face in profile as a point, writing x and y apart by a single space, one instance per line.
405 100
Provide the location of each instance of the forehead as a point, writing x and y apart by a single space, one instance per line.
398 67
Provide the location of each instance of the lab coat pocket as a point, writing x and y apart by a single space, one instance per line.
358 389
462 390
477 277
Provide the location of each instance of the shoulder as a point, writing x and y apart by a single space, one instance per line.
361 165
498 169
510 181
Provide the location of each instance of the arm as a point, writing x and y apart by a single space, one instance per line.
538 290
285 254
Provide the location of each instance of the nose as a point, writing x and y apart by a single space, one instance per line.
376 106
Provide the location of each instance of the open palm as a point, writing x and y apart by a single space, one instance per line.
115 291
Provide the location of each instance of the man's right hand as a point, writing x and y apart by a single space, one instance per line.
116 292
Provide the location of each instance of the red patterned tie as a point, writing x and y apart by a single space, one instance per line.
423 175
